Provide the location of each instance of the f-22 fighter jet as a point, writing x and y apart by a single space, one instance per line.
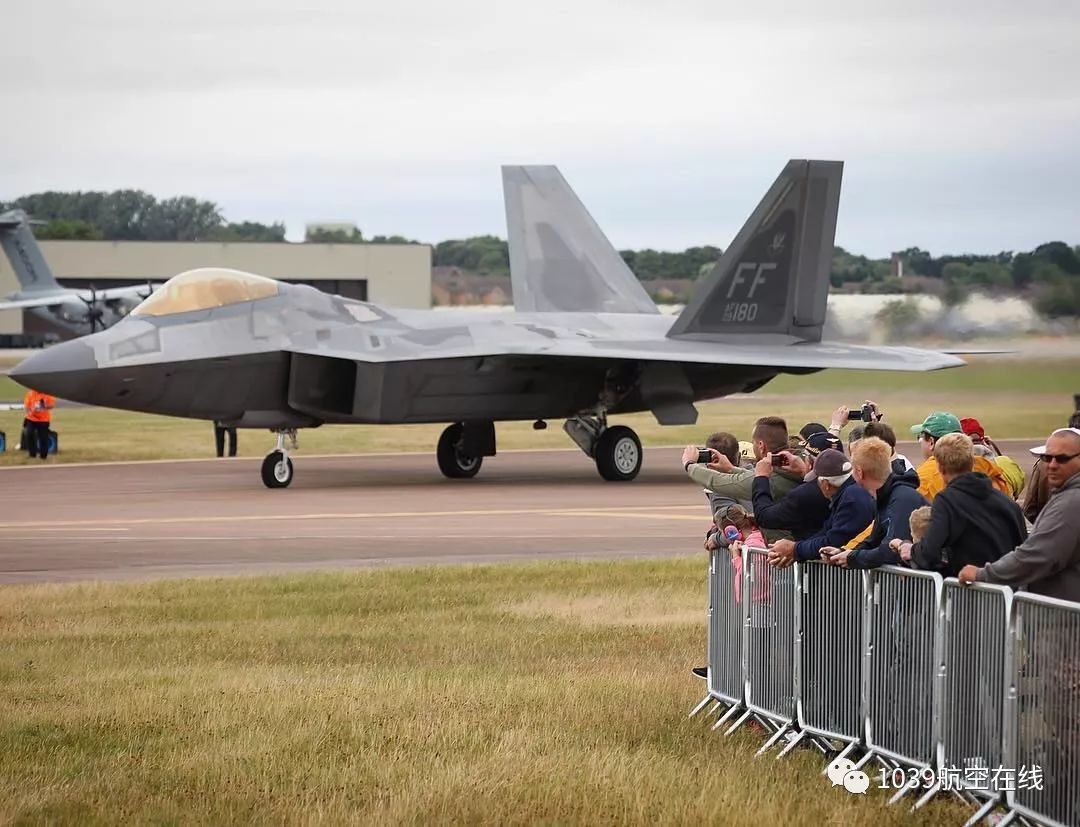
584 341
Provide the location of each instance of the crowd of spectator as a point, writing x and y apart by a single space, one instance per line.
862 505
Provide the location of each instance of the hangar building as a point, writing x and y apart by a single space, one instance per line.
398 275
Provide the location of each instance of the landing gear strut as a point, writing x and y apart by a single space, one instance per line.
616 450
277 468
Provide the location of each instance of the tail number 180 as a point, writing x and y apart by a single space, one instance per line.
740 311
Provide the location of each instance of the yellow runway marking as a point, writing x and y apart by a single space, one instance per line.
620 511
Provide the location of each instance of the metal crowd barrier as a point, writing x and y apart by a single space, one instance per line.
974 686
973 675
902 651
1044 719
725 676
829 647
768 604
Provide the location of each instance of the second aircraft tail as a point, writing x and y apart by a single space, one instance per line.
22 250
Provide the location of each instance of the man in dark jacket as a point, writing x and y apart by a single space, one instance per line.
804 509
851 511
896 496
971 521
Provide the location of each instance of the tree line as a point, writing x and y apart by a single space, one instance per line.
1050 272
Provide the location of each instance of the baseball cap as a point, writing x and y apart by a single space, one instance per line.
822 441
972 428
1042 448
938 424
746 450
812 428
830 465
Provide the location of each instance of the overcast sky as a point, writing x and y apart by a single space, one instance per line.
959 126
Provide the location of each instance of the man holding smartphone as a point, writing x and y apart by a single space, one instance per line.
723 477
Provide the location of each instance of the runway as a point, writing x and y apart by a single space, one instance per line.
214 517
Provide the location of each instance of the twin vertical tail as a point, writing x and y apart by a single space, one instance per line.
22 250
774 278
560 260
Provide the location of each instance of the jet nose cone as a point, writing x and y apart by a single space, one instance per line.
65 370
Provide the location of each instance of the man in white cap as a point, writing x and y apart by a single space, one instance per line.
1048 561
851 510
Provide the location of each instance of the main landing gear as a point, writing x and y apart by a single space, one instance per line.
277 468
463 446
616 450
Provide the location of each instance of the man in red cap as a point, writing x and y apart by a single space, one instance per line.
986 447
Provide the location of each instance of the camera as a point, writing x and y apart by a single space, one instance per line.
704 456
779 460
866 413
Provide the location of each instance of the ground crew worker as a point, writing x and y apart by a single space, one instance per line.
38 417
220 430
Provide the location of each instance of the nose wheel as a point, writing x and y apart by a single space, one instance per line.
277 468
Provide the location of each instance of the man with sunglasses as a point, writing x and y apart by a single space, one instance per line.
1048 561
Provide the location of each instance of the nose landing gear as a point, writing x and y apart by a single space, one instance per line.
277 468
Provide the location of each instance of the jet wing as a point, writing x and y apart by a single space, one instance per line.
38 301
132 293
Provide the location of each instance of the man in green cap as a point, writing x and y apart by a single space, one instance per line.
929 431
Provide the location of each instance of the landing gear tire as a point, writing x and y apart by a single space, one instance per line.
618 454
453 461
277 470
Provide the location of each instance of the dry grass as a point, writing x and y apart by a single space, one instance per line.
1012 398
451 695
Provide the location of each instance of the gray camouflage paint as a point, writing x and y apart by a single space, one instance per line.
303 357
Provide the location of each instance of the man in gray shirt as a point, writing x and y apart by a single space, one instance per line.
1048 562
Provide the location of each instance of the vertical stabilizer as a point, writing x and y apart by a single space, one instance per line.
23 252
560 260
774 278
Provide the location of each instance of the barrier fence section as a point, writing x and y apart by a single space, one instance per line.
1044 719
725 617
974 686
829 647
973 675
768 605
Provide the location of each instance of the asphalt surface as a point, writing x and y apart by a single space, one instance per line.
214 517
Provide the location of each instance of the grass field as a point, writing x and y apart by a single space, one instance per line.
504 694
1012 397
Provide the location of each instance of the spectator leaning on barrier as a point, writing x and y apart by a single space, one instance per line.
803 510
929 431
1038 486
896 496
970 520
725 478
851 511
1048 561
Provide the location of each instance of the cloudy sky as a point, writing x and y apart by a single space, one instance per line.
959 126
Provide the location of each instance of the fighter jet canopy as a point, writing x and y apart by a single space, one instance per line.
205 289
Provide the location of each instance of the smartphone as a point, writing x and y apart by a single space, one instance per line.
779 460
704 456
854 414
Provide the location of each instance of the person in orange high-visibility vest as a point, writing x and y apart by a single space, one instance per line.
38 416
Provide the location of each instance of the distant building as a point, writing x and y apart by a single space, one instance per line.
896 265
398 275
